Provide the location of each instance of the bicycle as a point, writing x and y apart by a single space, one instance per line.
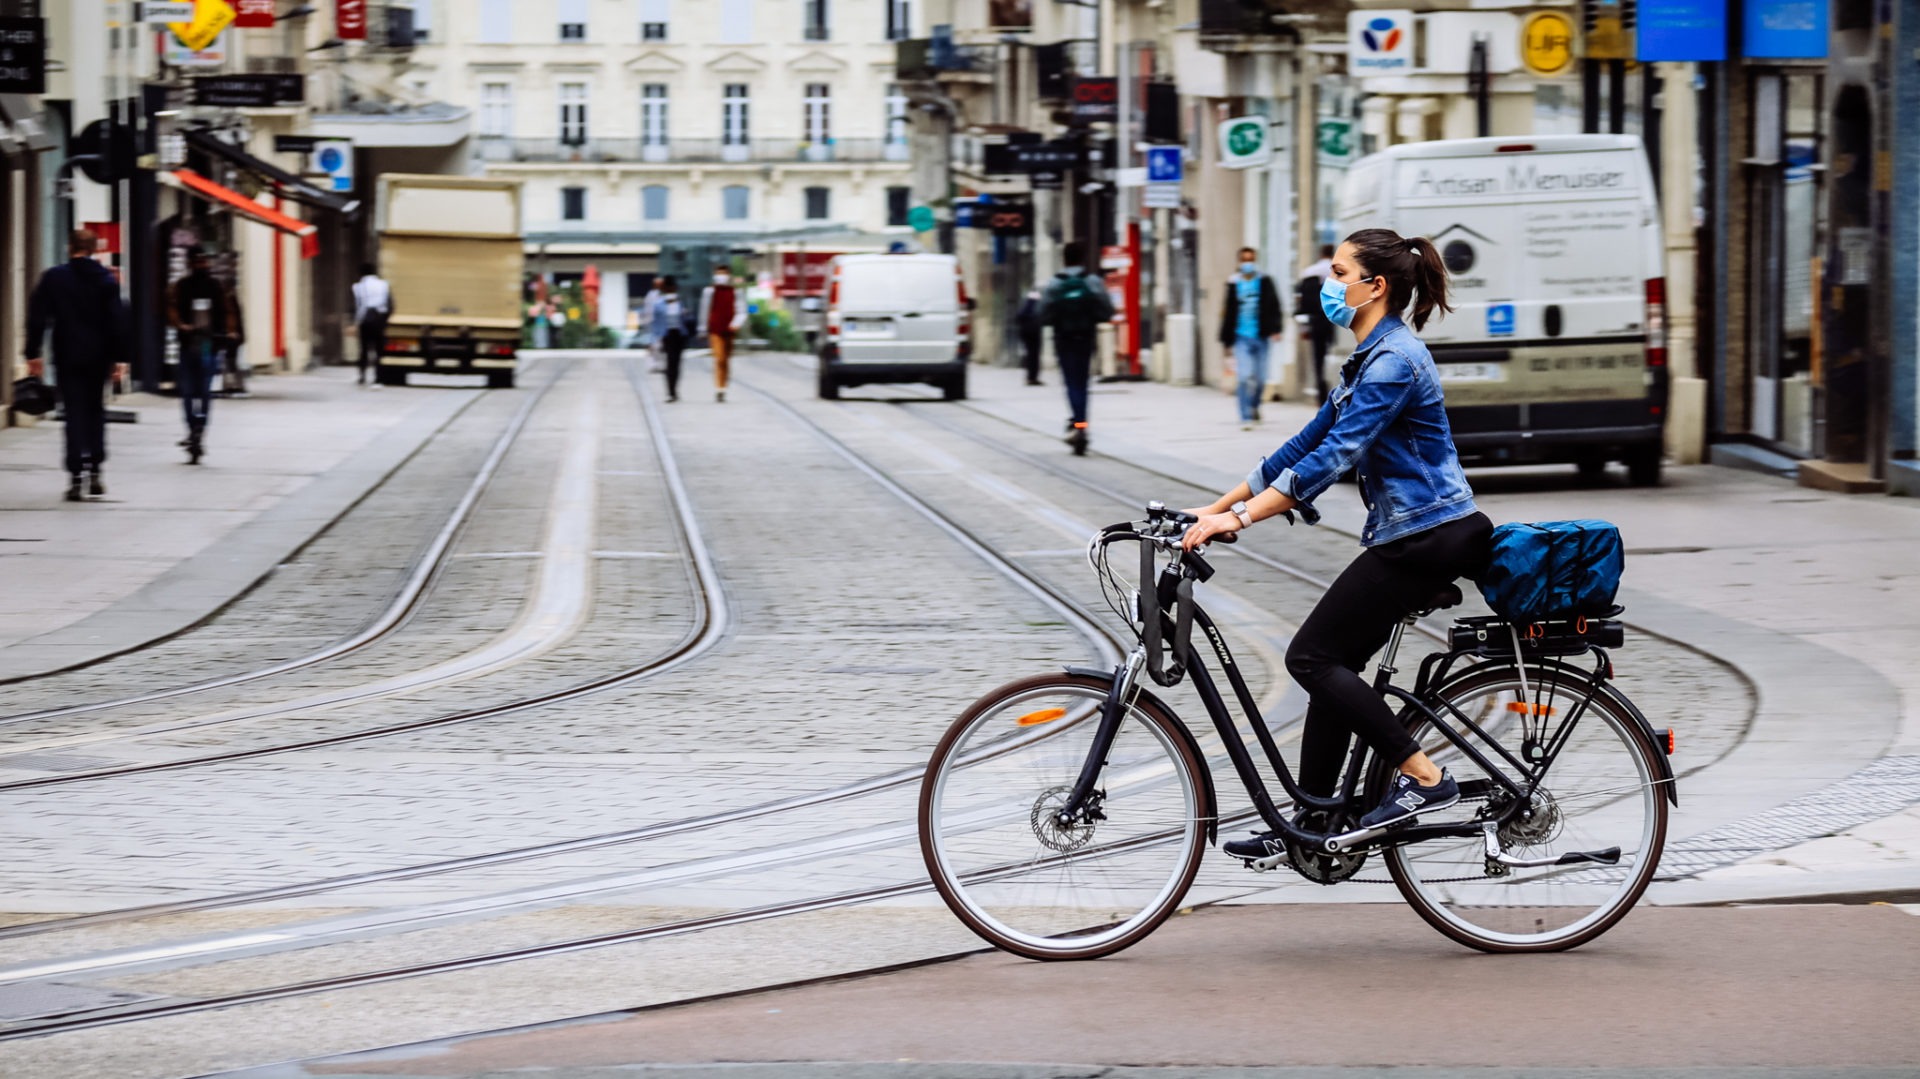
1064 816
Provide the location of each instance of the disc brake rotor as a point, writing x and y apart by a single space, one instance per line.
1065 838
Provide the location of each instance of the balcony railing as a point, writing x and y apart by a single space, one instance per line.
691 151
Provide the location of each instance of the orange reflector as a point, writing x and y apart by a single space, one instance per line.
1044 715
1530 709
1670 741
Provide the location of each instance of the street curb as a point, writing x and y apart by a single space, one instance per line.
200 586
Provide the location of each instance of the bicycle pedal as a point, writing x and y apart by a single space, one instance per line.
1268 864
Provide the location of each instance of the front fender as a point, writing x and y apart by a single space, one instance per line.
1209 802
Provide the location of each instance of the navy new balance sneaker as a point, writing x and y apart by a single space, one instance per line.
1407 799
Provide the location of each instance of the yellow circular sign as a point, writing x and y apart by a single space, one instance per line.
1546 43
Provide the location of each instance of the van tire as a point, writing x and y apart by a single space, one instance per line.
955 388
1592 469
829 386
390 376
500 380
1643 466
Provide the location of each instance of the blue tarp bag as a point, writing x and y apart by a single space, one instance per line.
1553 570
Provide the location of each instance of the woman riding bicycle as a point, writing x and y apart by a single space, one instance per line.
1388 421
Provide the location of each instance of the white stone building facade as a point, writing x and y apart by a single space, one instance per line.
641 123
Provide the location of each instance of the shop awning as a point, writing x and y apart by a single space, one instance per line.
286 183
189 180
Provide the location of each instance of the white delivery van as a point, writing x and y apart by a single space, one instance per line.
896 318
1556 350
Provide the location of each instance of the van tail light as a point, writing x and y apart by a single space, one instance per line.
833 306
964 323
1656 322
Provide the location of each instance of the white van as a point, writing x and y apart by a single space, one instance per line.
896 318
1556 350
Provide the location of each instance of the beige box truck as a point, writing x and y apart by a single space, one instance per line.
450 246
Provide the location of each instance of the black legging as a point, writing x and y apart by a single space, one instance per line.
673 344
1352 622
373 341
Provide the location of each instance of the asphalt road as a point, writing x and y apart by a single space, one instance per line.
1292 991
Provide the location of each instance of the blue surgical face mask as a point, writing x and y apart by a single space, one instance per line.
1249 269
1333 300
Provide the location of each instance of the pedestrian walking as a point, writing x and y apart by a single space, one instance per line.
1388 419
667 323
79 302
1307 308
1076 305
1026 322
372 306
204 315
1249 321
722 314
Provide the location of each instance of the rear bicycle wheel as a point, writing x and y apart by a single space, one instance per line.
1030 885
1601 793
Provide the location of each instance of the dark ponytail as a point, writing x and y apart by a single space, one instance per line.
1412 269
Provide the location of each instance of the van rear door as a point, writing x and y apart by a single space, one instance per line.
898 309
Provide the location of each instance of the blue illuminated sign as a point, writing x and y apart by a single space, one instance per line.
1785 29
1682 30
1500 320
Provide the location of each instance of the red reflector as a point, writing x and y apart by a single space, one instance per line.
1654 409
1513 148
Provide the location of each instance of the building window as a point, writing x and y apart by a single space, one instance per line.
733 115
814 27
496 110
653 202
496 22
818 203
653 114
736 22
899 201
733 202
573 114
899 19
653 20
573 204
816 106
573 20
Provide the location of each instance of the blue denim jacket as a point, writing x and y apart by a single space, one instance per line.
1387 419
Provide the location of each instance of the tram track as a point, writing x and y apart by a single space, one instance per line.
405 601
709 625
1107 643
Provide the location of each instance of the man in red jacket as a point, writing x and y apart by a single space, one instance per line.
722 313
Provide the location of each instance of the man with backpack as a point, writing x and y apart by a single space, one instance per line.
1076 304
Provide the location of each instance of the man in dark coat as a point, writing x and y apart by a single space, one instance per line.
1027 322
1308 310
1249 321
79 302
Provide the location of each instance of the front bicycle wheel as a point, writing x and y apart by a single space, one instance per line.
1018 877
1600 801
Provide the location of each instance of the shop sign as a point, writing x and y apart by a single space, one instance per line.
152 12
1546 43
210 17
1245 142
335 158
1784 30
1380 42
253 14
1681 31
23 56
1335 138
178 55
249 91
1160 196
350 20
1608 37
1095 99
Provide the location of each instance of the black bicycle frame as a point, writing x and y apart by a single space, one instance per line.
1338 807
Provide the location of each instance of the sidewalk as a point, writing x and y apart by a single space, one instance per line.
172 542
1799 590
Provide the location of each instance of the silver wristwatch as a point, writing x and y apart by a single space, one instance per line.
1239 509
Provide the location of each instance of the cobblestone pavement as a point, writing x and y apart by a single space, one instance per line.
833 672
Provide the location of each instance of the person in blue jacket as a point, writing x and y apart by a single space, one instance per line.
1386 420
